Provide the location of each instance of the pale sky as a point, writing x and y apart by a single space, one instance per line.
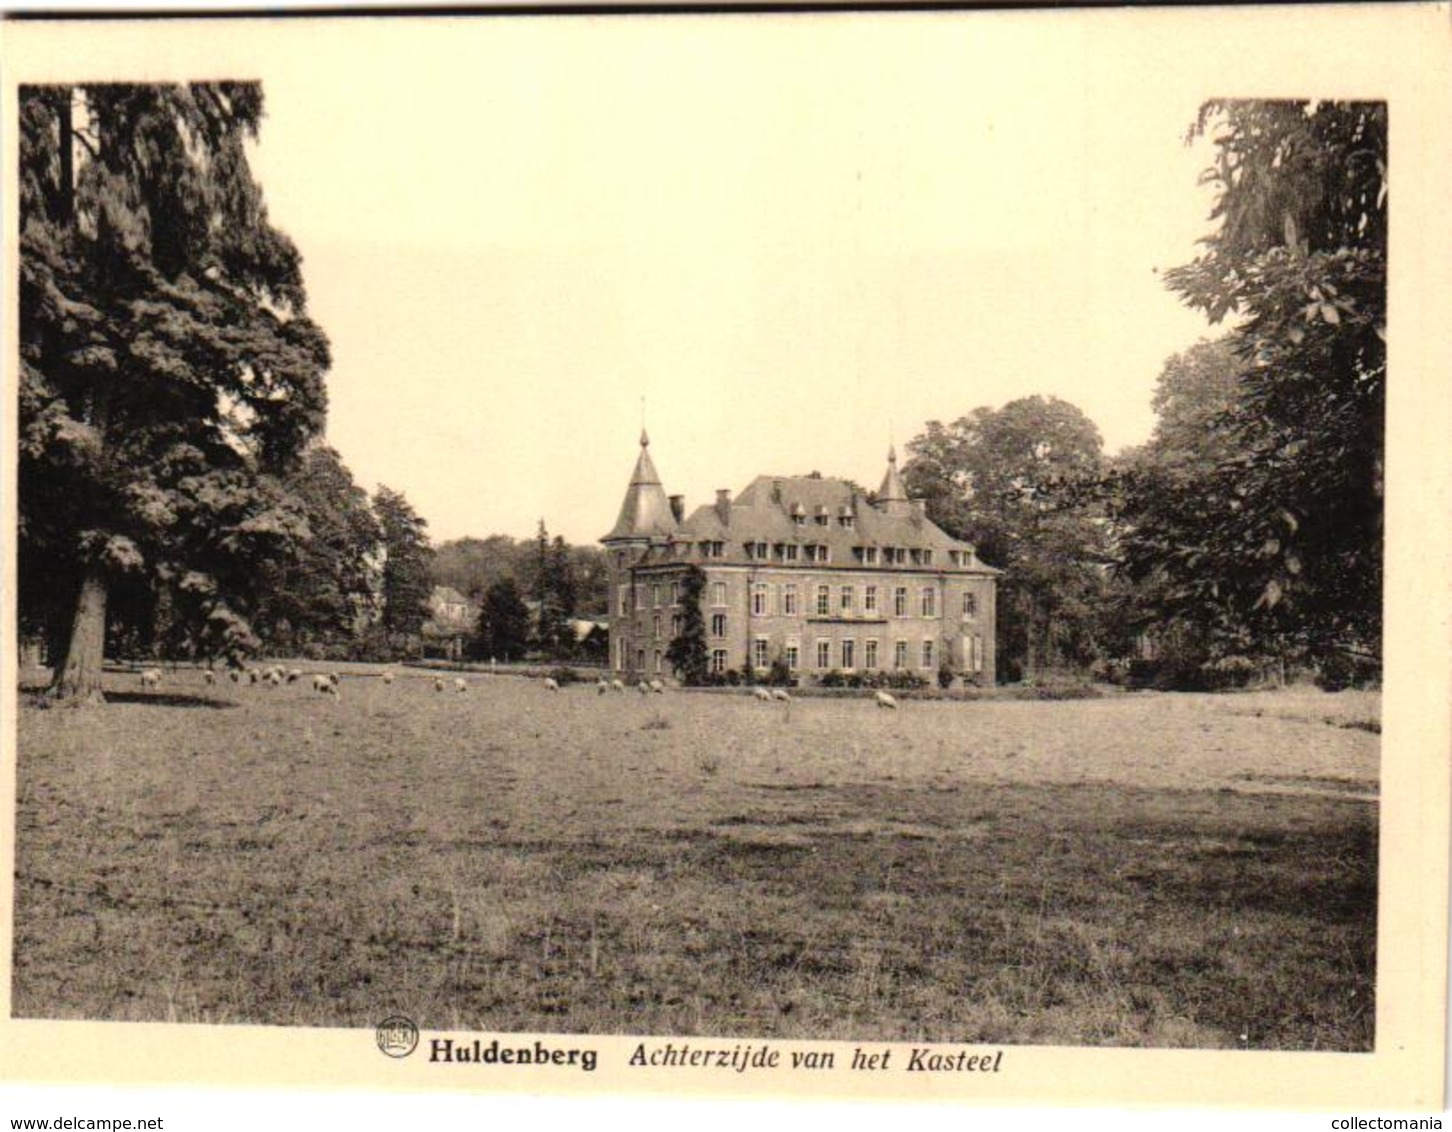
798 238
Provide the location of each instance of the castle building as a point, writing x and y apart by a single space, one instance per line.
802 569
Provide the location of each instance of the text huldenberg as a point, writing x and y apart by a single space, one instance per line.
476 1052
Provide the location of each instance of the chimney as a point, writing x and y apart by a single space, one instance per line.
920 510
723 504
776 491
678 507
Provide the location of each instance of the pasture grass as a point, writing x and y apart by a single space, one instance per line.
1189 871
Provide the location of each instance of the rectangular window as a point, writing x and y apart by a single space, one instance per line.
927 654
675 593
970 606
927 557
869 654
869 599
624 603
791 552
677 624
824 654
929 602
758 653
658 658
899 654
789 600
640 660
655 625
792 654
824 601
899 601
718 593
869 555
758 600
718 624
849 653
845 599
718 661
655 595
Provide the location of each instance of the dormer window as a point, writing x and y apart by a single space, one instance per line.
869 555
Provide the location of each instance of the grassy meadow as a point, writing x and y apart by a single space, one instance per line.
1140 870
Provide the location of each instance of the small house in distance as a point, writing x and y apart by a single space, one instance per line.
452 620
802 569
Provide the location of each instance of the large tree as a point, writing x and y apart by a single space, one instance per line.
407 565
1022 484
503 632
1284 537
327 590
168 368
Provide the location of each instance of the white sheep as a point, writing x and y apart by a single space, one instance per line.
551 684
884 700
235 676
601 686
657 687
294 675
438 683
151 677
460 684
274 677
780 695
761 694
387 676
643 688
209 677
617 685
323 682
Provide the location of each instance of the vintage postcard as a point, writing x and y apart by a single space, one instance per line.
886 555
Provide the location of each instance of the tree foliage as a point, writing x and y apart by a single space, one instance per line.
503 632
327 590
407 580
1278 535
168 370
686 654
1022 484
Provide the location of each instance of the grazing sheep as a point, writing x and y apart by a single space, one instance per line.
657 687
761 694
235 676
884 700
333 676
780 695
643 688
460 684
601 686
388 676
322 683
253 676
617 685
438 683
551 684
274 677
209 677
151 677
294 675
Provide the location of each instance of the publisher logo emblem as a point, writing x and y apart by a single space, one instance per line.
397 1036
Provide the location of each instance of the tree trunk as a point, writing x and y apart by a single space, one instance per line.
77 678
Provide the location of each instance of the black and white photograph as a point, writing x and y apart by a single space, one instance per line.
852 553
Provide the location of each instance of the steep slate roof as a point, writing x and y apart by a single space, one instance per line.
646 512
763 512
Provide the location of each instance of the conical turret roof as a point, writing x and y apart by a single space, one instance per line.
892 497
646 511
